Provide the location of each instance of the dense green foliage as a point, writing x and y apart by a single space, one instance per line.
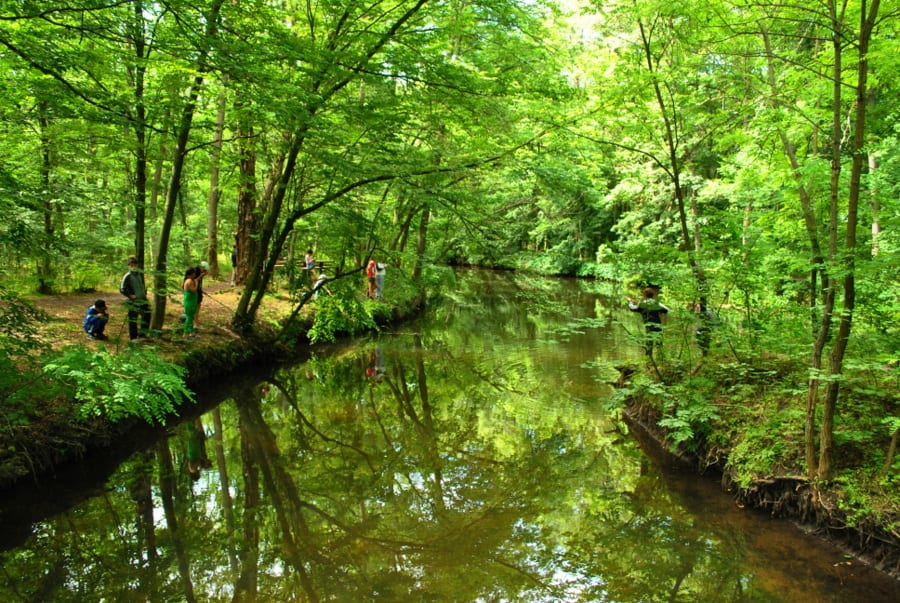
743 154
134 384
119 386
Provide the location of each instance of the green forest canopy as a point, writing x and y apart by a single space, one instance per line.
743 153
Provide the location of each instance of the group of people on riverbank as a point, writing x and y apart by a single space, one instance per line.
375 273
137 305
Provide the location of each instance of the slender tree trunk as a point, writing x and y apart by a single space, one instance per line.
670 132
212 206
821 321
174 188
140 133
45 266
848 258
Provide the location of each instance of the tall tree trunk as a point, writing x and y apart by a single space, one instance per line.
847 261
670 131
212 205
160 293
322 88
821 321
45 266
245 241
138 36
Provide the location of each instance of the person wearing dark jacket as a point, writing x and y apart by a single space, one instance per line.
651 311
132 287
201 271
95 320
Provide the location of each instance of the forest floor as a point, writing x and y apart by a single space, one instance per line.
66 313
50 438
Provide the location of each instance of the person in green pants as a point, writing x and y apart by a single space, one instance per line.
191 301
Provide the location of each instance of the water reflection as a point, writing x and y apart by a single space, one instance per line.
467 459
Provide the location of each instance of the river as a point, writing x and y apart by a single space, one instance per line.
472 455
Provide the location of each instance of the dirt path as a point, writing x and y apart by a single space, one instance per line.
66 314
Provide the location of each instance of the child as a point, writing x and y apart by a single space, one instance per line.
320 284
95 320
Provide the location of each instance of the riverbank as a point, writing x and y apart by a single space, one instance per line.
826 510
715 431
50 436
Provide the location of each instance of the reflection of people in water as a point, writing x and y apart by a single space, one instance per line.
196 449
375 367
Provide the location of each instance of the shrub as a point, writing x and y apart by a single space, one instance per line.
119 386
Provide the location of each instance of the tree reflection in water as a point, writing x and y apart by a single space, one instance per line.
460 463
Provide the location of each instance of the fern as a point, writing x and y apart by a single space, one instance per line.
121 386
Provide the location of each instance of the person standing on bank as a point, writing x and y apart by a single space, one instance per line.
651 311
380 270
309 262
95 320
200 271
132 287
189 286
371 272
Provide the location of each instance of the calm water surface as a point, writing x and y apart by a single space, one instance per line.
469 457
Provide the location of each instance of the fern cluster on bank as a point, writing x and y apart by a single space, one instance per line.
134 384
137 384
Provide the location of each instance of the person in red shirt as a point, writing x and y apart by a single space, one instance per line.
371 272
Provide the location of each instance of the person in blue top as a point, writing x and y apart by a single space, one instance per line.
651 311
95 320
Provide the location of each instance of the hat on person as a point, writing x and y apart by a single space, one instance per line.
100 304
204 266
